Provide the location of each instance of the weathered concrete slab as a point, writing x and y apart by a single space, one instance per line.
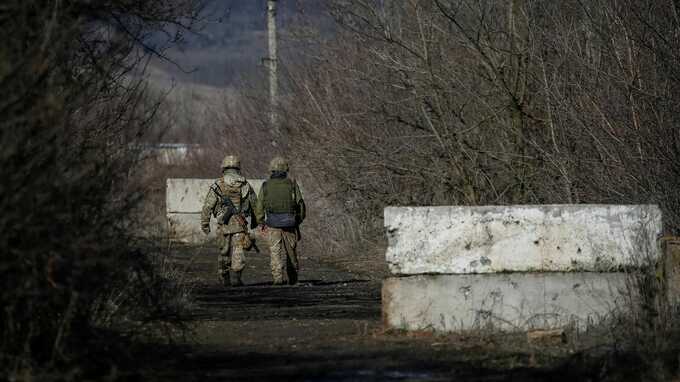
186 195
510 301
558 238
184 201
186 228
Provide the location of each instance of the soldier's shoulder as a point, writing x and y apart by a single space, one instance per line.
217 183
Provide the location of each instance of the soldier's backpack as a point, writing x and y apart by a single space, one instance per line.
229 195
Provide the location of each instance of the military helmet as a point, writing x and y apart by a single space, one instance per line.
278 164
231 161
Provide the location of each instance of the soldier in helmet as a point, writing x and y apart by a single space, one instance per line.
230 200
279 210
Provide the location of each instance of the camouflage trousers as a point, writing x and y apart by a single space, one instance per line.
232 254
284 260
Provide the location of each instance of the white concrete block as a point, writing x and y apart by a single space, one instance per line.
185 195
186 228
509 301
489 239
184 201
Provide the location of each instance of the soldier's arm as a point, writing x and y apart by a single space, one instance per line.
208 208
249 199
302 209
259 207
250 203
252 196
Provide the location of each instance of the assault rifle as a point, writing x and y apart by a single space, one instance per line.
231 210
227 206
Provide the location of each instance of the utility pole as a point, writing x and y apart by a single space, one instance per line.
272 61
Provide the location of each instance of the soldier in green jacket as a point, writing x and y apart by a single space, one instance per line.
230 200
280 210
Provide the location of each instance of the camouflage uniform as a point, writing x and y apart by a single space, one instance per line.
280 206
232 236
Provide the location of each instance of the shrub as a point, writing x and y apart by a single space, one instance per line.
73 102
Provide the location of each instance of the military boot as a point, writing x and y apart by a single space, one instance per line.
225 279
292 276
237 279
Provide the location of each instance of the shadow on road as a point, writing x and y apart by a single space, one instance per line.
341 365
304 283
308 299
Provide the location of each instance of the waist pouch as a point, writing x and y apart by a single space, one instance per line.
280 220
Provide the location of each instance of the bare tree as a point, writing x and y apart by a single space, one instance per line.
485 102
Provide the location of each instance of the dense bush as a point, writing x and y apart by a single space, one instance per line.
73 105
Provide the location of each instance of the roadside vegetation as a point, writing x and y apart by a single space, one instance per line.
74 105
462 102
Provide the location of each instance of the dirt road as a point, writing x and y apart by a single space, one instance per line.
327 328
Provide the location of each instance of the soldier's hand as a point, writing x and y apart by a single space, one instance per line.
205 229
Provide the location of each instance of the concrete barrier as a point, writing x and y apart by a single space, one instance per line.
186 195
559 238
513 267
503 301
184 199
